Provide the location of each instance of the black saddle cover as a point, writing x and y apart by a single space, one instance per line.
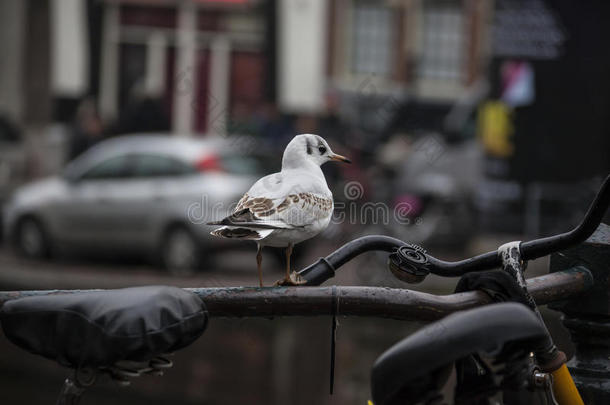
96 329
482 330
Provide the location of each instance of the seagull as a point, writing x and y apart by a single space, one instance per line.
288 207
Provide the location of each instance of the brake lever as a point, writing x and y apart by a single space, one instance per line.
544 382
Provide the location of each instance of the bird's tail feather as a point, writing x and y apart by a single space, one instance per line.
245 218
241 233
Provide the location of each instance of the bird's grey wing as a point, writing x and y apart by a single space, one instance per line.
293 211
251 209
304 208
272 203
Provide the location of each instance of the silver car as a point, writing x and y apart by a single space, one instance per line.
142 193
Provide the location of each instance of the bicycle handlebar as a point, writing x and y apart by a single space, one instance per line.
416 260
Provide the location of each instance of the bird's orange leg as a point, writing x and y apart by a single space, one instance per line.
291 278
288 254
259 263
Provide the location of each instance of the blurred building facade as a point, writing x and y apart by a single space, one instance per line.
204 59
383 54
197 58
103 67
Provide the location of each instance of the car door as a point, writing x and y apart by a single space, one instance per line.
161 183
99 209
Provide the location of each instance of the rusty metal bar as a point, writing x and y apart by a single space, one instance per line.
269 302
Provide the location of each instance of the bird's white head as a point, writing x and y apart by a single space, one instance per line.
307 149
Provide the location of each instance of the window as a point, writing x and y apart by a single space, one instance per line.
373 38
158 166
113 168
239 164
442 46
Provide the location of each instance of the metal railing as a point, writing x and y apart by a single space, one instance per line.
396 303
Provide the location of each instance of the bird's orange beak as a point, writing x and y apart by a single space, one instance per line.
339 158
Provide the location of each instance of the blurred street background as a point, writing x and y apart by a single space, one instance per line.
125 125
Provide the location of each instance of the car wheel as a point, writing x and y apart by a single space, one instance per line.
31 239
180 252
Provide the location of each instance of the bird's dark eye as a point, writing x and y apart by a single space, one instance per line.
322 150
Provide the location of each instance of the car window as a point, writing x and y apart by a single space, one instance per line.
113 168
158 165
237 164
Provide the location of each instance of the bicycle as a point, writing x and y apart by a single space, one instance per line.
100 354
489 349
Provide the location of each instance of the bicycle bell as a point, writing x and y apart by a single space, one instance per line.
409 263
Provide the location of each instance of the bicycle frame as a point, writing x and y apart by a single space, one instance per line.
270 302
548 357
402 304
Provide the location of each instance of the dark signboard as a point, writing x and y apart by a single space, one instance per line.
550 80
548 115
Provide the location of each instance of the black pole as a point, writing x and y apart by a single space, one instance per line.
587 317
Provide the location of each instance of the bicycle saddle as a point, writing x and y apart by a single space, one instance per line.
422 361
99 328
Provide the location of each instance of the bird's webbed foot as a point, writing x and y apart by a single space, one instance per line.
294 280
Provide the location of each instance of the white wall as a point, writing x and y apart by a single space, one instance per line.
69 48
302 50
